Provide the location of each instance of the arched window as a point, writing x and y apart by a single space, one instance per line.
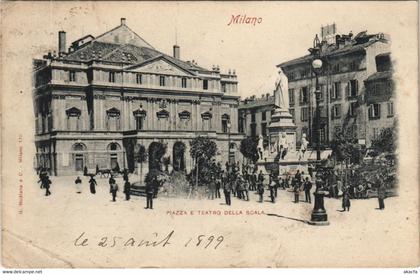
114 148
79 160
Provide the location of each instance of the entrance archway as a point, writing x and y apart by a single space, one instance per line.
79 149
178 156
113 149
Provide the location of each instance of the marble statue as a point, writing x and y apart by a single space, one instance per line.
281 92
260 147
283 145
303 147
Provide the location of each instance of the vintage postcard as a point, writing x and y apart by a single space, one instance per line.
209 134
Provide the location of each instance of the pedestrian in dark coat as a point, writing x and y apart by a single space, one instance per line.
260 188
307 187
111 181
218 187
127 189
226 191
253 182
114 190
125 175
271 187
260 177
381 195
150 191
92 184
346 200
46 184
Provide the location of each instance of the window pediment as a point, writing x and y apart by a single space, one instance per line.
113 112
184 115
206 115
73 112
163 113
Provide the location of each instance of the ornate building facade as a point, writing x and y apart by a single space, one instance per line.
97 102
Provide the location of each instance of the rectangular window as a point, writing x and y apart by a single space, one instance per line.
253 130
72 76
139 122
291 96
304 113
264 115
223 87
241 123
162 81
111 77
353 88
374 111
304 95
336 111
205 84
336 91
139 79
253 117
390 109
184 82
225 126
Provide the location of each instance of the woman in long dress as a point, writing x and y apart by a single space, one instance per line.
92 184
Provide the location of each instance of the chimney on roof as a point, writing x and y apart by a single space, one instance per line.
176 52
61 43
122 21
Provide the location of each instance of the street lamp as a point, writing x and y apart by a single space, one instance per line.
319 214
317 67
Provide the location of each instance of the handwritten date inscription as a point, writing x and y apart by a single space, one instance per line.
199 241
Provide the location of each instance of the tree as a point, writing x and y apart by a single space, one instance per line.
140 156
386 141
249 148
178 152
203 151
346 149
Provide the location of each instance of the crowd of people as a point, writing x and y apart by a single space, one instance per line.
239 183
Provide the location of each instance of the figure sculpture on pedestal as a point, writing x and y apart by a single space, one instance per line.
281 93
260 147
303 147
283 145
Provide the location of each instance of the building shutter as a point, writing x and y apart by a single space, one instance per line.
348 85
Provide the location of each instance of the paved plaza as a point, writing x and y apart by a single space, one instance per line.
246 227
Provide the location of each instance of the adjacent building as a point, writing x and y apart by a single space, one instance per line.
98 102
356 86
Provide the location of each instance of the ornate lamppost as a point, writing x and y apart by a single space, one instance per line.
319 214
228 127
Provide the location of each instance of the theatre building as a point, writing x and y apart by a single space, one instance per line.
103 99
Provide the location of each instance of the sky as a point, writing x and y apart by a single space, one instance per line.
201 29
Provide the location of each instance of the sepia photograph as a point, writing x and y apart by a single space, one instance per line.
209 134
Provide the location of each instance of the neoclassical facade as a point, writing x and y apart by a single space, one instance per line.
97 102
